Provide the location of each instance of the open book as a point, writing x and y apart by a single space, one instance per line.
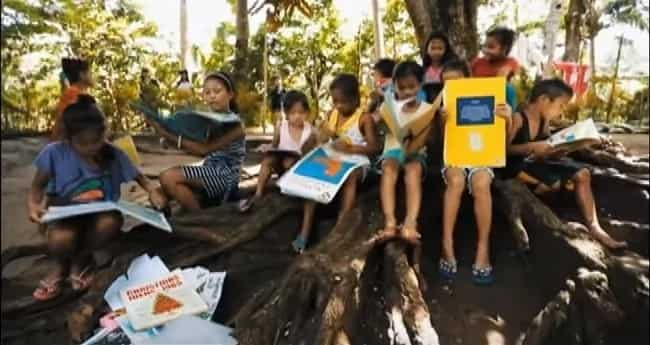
158 301
146 215
582 134
192 124
320 174
403 126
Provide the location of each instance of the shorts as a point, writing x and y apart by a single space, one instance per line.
469 173
550 173
402 159
218 180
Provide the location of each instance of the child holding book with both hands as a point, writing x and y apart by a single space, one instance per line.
530 156
293 137
478 181
81 168
218 177
352 131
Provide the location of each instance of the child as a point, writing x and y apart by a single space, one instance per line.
184 89
408 78
529 149
81 168
78 78
438 52
382 75
293 134
218 177
353 132
478 181
496 60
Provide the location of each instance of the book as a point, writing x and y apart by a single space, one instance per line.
127 145
146 215
319 175
581 135
192 124
474 136
404 126
158 301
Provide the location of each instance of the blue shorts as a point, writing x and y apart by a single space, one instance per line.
402 159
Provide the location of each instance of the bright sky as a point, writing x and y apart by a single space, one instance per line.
205 16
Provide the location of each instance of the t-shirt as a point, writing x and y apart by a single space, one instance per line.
433 74
70 96
482 67
74 181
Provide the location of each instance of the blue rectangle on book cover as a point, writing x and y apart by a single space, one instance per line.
475 111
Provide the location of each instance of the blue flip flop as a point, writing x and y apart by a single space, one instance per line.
299 244
447 270
483 276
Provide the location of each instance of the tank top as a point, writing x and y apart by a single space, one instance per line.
515 163
287 142
349 130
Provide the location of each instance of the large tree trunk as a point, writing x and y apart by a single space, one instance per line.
455 17
573 24
241 45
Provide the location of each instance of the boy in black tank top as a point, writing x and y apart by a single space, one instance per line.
530 155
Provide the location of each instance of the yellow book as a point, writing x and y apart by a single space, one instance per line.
127 145
474 136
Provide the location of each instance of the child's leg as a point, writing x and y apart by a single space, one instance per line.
265 174
176 186
300 243
288 162
481 181
350 192
413 180
455 179
389 175
62 240
587 204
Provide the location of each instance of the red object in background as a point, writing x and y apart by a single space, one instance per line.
575 75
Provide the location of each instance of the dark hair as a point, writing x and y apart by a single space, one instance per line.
85 115
228 82
294 97
551 88
348 84
457 65
506 37
449 51
385 67
73 67
408 69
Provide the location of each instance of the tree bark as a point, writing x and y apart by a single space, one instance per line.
573 24
241 44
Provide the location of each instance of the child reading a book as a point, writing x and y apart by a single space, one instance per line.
79 78
478 181
496 60
409 156
352 131
530 156
224 151
293 137
438 52
82 168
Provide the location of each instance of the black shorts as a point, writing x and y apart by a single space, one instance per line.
550 173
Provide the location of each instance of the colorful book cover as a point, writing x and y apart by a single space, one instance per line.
580 135
474 136
320 174
161 300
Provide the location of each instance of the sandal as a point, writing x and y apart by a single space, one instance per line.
410 234
48 289
299 245
81 281
447 270
246 204
482 276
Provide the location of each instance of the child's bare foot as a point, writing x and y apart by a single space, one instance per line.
410 233
603 237
49 288
82 276
389 232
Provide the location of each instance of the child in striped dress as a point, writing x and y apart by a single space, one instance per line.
218 177
293 138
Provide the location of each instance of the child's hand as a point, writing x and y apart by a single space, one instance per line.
503 111
540 149
443 114
341 146
36 213
158 199
263 148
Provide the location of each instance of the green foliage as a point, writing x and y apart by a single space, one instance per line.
399 33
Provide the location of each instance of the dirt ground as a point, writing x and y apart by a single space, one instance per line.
468 314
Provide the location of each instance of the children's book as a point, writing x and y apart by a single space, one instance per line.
320 174
404 126
159 301
127 145
474 136
580 135
192 124
146 215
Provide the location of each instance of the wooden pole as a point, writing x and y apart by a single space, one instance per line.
379 32
610 102
183 31
265 69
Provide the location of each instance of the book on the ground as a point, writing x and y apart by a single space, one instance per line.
158 301
319 175
144 214
403 126
189 123
580 135
474 135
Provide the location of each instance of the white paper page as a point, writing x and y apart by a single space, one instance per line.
62 212
147 215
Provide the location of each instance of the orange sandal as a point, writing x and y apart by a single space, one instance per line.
48 289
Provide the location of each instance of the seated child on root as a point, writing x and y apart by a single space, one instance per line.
218 177
293 136
409 157
82 168
353 132
530 157
478 181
